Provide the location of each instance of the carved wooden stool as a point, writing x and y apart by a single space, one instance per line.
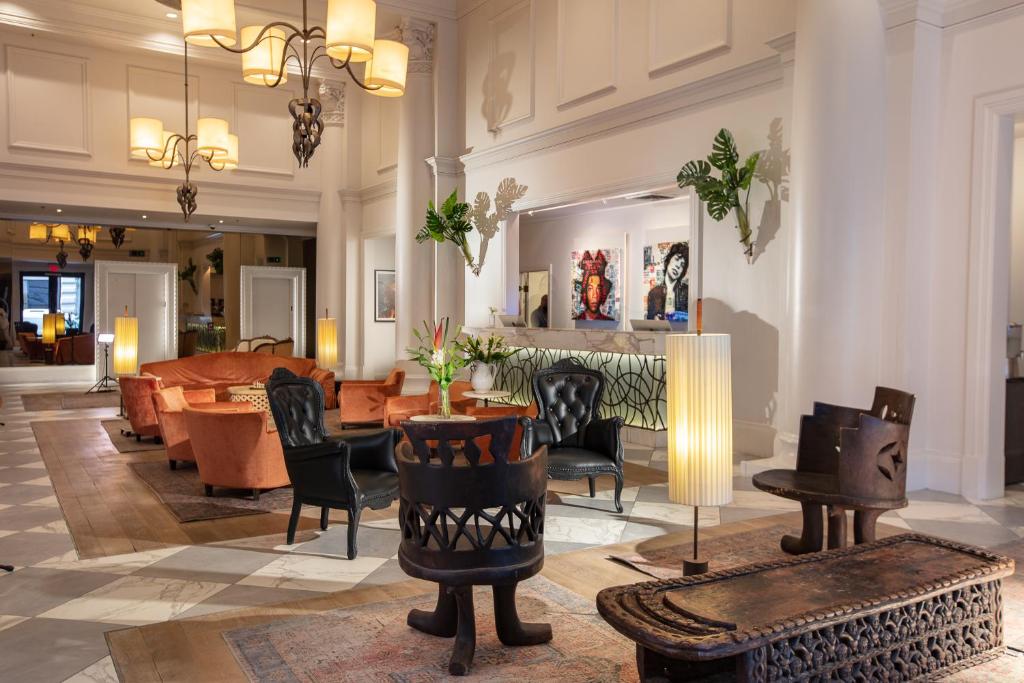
471 517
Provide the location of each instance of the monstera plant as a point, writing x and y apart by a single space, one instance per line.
449 224
723 194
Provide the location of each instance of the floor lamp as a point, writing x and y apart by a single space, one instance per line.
126 347
106 383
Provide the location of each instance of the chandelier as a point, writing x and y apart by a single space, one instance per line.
87 240
52 232
266 50
214 145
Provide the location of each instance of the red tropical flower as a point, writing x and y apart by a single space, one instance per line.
437 336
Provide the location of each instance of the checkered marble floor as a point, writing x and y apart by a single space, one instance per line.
55 608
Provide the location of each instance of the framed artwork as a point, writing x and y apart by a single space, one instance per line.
596 286
384 296
666 281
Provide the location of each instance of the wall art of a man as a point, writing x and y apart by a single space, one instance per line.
596 287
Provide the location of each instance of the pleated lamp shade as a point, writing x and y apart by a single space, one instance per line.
126 344
699 392
326 342
50 327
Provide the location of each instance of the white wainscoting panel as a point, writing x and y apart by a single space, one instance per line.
258 110
681 33
48 102
387 149
588 49
264 311
510 76
161 95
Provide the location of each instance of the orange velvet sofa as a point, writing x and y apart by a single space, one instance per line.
362 401
137 395
170 405
232 368
400 408
236 450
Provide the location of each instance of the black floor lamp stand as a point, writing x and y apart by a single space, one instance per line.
106 383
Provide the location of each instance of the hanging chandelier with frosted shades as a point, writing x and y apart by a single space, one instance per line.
349 38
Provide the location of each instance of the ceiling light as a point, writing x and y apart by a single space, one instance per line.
222 220
171 15
144 216
60 210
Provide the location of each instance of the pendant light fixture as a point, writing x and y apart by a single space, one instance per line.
52 232
349 38
87 240
212 143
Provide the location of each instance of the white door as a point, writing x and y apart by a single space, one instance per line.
272 314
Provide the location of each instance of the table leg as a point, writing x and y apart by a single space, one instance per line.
836 527
811 536
864 525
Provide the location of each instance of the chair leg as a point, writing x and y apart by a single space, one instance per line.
443 621
811 537
256 495
208 488
836 527
138 438
353 529
293 521
618 491
465 635
325 513
173 464
512 631
864 525
593 486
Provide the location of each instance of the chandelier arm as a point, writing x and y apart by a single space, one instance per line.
348 68
341 63
296 31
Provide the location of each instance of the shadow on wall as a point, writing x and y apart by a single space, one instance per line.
497 96
755 361
773 171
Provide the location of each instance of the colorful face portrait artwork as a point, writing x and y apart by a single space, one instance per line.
666 281
384 296
595 284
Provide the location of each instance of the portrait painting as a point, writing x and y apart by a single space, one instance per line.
666 281
596 286
384 296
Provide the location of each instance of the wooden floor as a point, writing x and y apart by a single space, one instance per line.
110 511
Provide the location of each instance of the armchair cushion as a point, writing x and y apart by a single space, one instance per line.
577 458
363 401
373 451
375 484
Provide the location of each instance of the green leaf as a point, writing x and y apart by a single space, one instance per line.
746 174
723 151
450 203
693 172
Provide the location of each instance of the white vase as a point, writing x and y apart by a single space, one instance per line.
482 376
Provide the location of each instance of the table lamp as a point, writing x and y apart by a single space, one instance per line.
699 390
126 344
326 341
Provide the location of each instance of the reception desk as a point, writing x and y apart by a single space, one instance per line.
633 362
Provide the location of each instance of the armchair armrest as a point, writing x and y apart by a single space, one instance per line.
536 433
321 471
374 451
604 436
194 396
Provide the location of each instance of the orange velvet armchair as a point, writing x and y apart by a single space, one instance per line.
400 408
170 405
137 394
362 401
498 411
236 450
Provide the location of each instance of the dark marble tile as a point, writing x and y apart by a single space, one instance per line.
19 494
32 591
370 542
936 496
653 494
17 475
208 563
22 517
972 533
50 649
583 507
387 573
237 597
24 549
1008 515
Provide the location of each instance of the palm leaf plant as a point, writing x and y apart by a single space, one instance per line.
723 194
449 224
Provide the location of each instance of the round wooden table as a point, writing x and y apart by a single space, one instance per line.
438 418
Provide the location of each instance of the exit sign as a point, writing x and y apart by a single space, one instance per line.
273 259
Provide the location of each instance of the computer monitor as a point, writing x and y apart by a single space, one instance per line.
650 325
511 321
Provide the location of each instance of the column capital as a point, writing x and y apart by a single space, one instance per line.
332 98
445 166
418 35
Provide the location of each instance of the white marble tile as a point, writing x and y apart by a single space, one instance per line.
5 532
389 523
136 600
629 495
41 481
945 512
114 564
33 466
671 513
9 620
101 672
57 527
583 530
313 573
892 519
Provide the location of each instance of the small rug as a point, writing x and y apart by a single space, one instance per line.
373 643
183 494
127 444
70 401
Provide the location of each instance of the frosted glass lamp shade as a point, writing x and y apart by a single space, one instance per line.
387 68
213 136
699 392
227 160
38 231
105 338
351 25
147 137
126 344
261 65
203 19
60 323
326 343
61 233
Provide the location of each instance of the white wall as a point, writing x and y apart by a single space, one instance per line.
379 338
1017 235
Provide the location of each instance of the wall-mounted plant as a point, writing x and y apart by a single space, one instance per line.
722 195
189 275
216 258
455 220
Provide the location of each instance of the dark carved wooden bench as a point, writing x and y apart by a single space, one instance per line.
899 609
847 459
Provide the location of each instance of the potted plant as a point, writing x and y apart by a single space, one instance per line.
438 353
483 356
216 259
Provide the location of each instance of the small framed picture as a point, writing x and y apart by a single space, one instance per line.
384 296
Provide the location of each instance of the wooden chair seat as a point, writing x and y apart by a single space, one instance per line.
817 488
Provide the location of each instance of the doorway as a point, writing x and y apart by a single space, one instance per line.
534 288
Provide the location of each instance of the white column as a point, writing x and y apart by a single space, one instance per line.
330 228
838 189
414 262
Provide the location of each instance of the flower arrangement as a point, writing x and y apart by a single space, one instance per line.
438 352
490 350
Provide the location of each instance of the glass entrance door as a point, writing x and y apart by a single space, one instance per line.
45 293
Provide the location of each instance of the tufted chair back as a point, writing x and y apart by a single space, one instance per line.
297 404
568 397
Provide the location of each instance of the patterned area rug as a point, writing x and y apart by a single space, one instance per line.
373 643
183 494
127 444
70 401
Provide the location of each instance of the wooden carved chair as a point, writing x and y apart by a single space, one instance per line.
471 516
847 459
580 443
347 473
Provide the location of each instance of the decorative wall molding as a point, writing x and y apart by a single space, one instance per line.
19 59
942 13
757 74
716 42
298 305
566 97
141 77
497 120
375 193
418 35
242 116
445 166
389 111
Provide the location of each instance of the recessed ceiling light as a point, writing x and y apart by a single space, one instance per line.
171 15
60 210
144 216
222 220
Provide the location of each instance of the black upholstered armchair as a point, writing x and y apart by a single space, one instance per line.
580 443
342 472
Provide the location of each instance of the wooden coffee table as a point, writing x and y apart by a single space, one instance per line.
902 608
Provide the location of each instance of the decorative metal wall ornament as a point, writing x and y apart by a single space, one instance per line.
485 221
117 236
349 38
